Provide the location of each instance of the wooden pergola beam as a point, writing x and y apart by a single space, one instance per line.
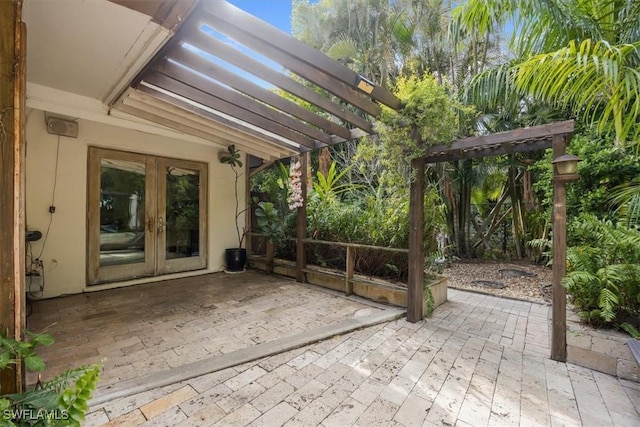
208 100
497 150
219 49
156 115
183 109
253 33
198 63
183 75
12 183
511 138
231 102
296 56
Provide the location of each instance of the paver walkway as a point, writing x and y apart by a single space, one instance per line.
479 361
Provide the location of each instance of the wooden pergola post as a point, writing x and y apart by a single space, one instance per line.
415 285
12 182
301 222
559 303
248 205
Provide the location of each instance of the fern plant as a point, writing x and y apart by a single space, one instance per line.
603 282
63 401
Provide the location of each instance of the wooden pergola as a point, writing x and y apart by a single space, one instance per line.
555 136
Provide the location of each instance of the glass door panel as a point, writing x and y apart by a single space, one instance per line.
181 214
122 221
121 242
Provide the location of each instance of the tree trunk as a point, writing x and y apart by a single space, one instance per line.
324 161
464 208
516 210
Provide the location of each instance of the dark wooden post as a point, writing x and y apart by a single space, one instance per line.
351 262
248 205
415 287
12 182
301 222
269 255
559 304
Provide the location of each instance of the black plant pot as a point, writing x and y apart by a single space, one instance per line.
236 259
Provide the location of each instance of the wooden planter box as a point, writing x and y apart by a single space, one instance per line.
373 289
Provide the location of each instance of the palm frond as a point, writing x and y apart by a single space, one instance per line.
592 79
494 89
626 198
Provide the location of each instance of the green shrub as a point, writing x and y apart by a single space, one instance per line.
603 280
63 401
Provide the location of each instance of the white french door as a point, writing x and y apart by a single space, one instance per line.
146 215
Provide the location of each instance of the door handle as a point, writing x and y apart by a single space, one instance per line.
160 225
150 224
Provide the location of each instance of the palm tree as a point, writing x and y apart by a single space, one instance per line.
578 56
355 32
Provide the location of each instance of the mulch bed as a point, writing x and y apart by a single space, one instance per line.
508 279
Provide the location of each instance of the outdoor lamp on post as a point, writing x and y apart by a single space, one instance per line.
565 169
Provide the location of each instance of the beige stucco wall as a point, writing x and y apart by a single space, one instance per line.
64 255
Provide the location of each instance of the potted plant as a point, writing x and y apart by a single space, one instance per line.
236 258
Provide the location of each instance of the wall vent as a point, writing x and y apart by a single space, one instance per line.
62 127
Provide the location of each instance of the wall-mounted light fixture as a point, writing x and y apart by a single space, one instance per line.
365 84
566 167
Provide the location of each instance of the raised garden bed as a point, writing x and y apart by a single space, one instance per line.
604 350
367 287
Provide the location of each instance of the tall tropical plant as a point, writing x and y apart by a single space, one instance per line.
232 158
578 56
328 188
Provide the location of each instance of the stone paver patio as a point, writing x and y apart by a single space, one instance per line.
479 361
156 327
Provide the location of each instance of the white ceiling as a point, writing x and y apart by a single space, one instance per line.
91 48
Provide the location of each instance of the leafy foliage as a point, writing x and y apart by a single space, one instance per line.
577 57
603 281
605 167
273 217
327 188
11 350
267 219
63 401
430 116
593 79
626 198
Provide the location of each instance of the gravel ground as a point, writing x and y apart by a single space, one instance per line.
509 279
